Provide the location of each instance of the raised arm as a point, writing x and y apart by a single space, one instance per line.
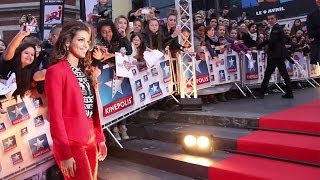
15 42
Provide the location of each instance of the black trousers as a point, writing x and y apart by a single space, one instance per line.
272 64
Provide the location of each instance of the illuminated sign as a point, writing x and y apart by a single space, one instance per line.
254 3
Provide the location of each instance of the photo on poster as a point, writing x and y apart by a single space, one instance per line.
18 113
9 143
16 158
222 76
2 127
38 121
24 131
37 102
165 67
212 78
222 62
235 76
289 68
155 90
154 72
145 78
251 69
142 97
134 72
39 145
232 63
138 85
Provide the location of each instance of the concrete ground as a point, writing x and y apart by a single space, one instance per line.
115 169
255 108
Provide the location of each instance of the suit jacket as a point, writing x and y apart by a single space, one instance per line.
276 43
313 24
68 119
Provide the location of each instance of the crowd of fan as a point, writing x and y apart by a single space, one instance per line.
140 30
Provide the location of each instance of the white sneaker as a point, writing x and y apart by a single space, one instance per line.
116 134
123 131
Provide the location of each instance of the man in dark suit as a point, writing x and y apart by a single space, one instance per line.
313 27
277 54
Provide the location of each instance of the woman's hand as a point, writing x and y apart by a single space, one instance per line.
98 54
176 32
102 151
138 13
108 55
68 167
122 32
24 31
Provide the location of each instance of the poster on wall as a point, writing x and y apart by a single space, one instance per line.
25 139
52 14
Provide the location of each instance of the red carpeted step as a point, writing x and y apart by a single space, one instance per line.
304 118
283 145
242 167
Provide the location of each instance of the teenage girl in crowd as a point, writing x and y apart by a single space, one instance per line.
138 48
19 58
109 37
155 38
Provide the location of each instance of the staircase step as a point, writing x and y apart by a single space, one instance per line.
200 118
225 138
253 168
166 156
283 145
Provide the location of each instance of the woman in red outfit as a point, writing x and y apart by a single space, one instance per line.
78 140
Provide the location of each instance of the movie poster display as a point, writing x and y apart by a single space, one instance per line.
25 138
118 96
226 70
202 72
254 67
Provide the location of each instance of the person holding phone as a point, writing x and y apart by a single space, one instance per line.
78 139
19 58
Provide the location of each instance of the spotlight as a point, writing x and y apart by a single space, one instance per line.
190 141
203 142
198 144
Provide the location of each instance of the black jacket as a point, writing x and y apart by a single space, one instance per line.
313 24
276 44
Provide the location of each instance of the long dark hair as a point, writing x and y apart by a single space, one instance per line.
158 39
141 48
115 33
24 75
68 32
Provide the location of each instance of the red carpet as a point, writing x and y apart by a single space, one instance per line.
304 118
241 167
283 145
295 147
